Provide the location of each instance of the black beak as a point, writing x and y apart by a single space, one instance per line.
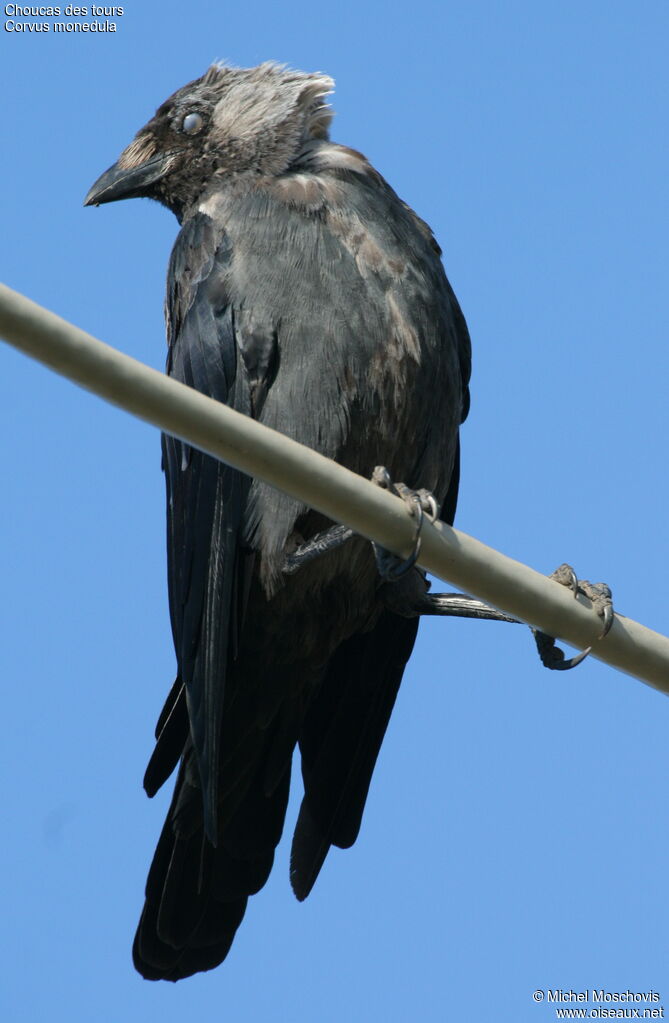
127 182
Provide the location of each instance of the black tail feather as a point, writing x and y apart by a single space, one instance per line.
340 741
171 735
196 894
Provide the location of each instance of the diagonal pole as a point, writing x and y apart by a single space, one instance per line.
330 488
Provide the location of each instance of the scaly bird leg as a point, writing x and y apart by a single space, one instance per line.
461 605
320 543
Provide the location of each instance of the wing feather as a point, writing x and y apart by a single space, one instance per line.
205 499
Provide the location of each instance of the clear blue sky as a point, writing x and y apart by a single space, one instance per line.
516 832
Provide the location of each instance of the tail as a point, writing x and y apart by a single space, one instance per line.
340 741
196 893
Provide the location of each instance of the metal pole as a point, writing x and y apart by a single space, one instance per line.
330 488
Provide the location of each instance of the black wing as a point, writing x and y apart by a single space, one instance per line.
205 502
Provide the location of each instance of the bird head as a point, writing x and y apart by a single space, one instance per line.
231 122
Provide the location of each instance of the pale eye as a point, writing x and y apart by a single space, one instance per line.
192 123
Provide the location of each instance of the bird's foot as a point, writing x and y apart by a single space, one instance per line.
600 596
420 503
321 543
390 567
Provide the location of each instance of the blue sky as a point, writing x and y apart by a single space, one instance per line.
516 832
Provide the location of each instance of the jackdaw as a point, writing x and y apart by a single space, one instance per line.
303 292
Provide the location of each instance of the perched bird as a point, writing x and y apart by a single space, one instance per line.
303 292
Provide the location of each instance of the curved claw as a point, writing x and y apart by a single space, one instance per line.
608 617
429 504
600 596
576 659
